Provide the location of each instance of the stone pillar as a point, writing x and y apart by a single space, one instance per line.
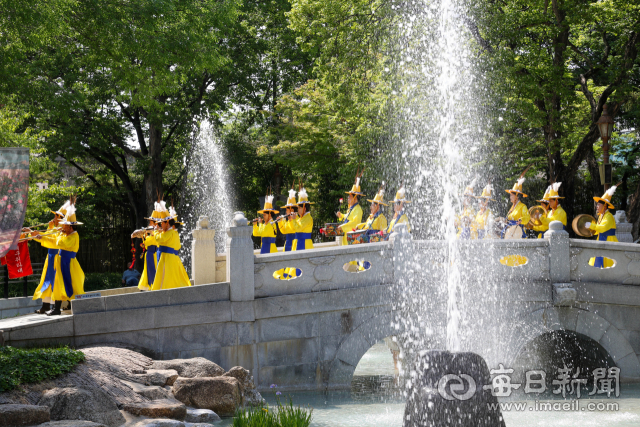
623 228
560 265
203 253
240 259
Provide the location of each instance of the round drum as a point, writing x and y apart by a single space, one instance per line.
357 237
578 225
331 229
513 232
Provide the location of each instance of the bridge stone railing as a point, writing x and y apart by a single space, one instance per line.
626 270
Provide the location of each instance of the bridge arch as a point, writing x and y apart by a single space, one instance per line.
582 322
355 345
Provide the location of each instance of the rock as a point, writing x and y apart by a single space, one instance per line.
23 415
250 396
154 393
165 408
159 377
197 425
161 422
191 368
201 416
80 404
220 394
448 389
72 423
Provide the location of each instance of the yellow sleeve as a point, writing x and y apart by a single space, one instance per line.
163 237
256 230
524 215
354 220
380 223
49 242
67 243
282 226
266 230
607 223
405 220
561 216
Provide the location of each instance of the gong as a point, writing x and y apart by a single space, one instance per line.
578 225
535 212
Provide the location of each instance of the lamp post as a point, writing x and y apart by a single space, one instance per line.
605 125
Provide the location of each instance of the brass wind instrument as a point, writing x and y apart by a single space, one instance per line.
140 233
48 233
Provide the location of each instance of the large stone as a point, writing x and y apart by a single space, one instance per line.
159 377
72 423
201 416
165 408
23 415
448 390
162 422
191 368
80 404
250 396
220 394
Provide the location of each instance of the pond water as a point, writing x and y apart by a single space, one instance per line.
369 406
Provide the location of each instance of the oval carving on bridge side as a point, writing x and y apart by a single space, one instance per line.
323 273
602 262
287 273
356 266
514 260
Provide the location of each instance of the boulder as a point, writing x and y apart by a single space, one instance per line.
190 368
80 404
23 415
72 423
158 423
154 393
220 394
250 396
201 416
158 377
165 408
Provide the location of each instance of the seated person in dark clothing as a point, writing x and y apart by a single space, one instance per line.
131 277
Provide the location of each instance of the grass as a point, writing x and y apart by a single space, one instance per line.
281 416
22 366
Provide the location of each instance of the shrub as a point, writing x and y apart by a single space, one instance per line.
21 366
282 416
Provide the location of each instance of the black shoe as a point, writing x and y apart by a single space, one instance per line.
56 311
45 307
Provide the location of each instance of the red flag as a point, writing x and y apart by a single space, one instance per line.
19 261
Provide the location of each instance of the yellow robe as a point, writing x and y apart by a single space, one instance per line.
286 228
519 212
266 231
70 245
303 225
144 284
51 247
374 223
552 215
170 272
469 213
606 223
402 220
353 217
480 224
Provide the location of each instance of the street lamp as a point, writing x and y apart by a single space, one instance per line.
605 125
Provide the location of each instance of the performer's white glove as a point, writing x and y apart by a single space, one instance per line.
587 224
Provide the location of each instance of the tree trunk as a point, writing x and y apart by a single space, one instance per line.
153 180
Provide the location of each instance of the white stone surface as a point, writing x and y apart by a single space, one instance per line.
203 256
240 250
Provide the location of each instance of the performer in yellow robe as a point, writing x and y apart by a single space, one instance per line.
544 202
518 214
399 217
170 272
47 279
605 228
376 220
303 223
353 217
286 227
265 227
150 254
484 218
555 212
464 220
69 280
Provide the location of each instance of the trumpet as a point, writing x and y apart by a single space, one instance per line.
281 217
48 233
142 232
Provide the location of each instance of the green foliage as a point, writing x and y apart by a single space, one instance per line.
102 281
281 416
22 366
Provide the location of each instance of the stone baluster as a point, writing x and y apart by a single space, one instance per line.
240 259
623 228
560 264
203 253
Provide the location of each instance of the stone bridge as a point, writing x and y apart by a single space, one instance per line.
310 332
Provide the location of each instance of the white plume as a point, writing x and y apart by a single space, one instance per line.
71 209
489 188
65 206
172 211
303 193
473 183
611 190
162 206
401 193
521 180
292 193
547 190
381 192
357 181
556 186
269 199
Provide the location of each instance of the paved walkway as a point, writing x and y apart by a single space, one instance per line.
12 323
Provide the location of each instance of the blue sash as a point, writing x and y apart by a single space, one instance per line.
165 249
599 261
65 266
480 234
302 237
151 266
466 233
509 224
288 244
346 217
265 247
50 275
